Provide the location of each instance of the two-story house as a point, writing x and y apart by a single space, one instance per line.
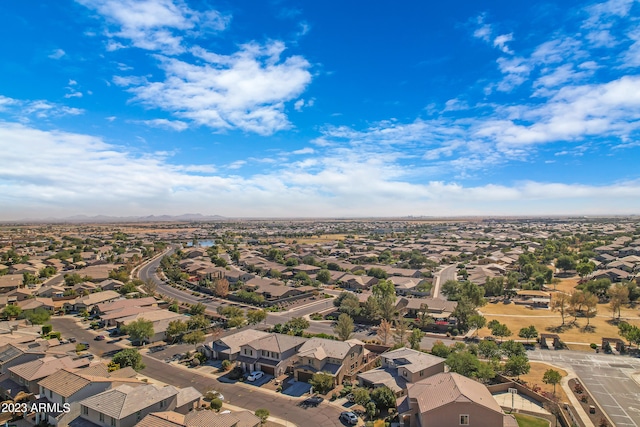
336 358
71 386
271 354
126 406
228 348
401 367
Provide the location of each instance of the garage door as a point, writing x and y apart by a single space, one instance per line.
267 369
304 376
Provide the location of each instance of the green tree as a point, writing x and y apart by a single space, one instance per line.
297 324
489 349
383 397
175 330
477 321
371 310
618 296
129 357
440 349
324 276
193 337
512 348
263 414
424 319
215 404
415 338
197 322
516 366
566 263
256 316
350 305
585 268
528 333
11 311
552 376
139 331
321 382
361 396
500 330
344 327
38 316
198 308
463 363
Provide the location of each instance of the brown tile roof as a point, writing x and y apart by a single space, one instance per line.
162 419
125 400
41 368
444 388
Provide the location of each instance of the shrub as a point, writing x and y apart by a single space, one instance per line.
584 398
216 404
603 423
263 414
226 365
593 345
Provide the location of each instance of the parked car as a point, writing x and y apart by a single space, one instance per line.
349 418
72 339
255 375
85 344
100 338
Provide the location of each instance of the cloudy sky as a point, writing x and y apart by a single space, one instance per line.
321 109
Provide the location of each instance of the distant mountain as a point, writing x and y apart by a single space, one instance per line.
149 218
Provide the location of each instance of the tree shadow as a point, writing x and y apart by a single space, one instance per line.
588 329
560 328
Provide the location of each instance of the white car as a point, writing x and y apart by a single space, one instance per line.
255 375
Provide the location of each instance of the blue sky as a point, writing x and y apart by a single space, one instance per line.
319 109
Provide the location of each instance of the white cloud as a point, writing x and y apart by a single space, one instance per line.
24 110
158 25
298 105
455 104
246 90
57 54
237 164
110 118
63 173
501 42
176 125
305 150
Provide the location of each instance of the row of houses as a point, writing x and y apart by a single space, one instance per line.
426 394
77 390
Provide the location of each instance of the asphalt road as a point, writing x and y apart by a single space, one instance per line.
244 396
607 377
447 273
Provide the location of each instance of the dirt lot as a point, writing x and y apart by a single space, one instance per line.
519 316
534 377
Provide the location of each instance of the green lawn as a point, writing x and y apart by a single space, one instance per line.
529 421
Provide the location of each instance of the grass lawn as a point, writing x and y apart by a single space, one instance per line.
529 421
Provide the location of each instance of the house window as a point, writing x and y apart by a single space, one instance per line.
162 403
113 422
421 373
85 410
139 415
464 420
63 400
101 417
50 393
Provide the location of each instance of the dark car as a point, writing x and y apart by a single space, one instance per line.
311 401
85 344
100 338
72 339
349 418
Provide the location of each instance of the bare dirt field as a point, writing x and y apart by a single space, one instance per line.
519 316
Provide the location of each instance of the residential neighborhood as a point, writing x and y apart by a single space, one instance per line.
411 322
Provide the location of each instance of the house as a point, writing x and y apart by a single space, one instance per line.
199 419
13 355
534 298
436 307
228 348
271 354
69 386
159 318
450 399
126 406
89 301
337 358
30 373
401 367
